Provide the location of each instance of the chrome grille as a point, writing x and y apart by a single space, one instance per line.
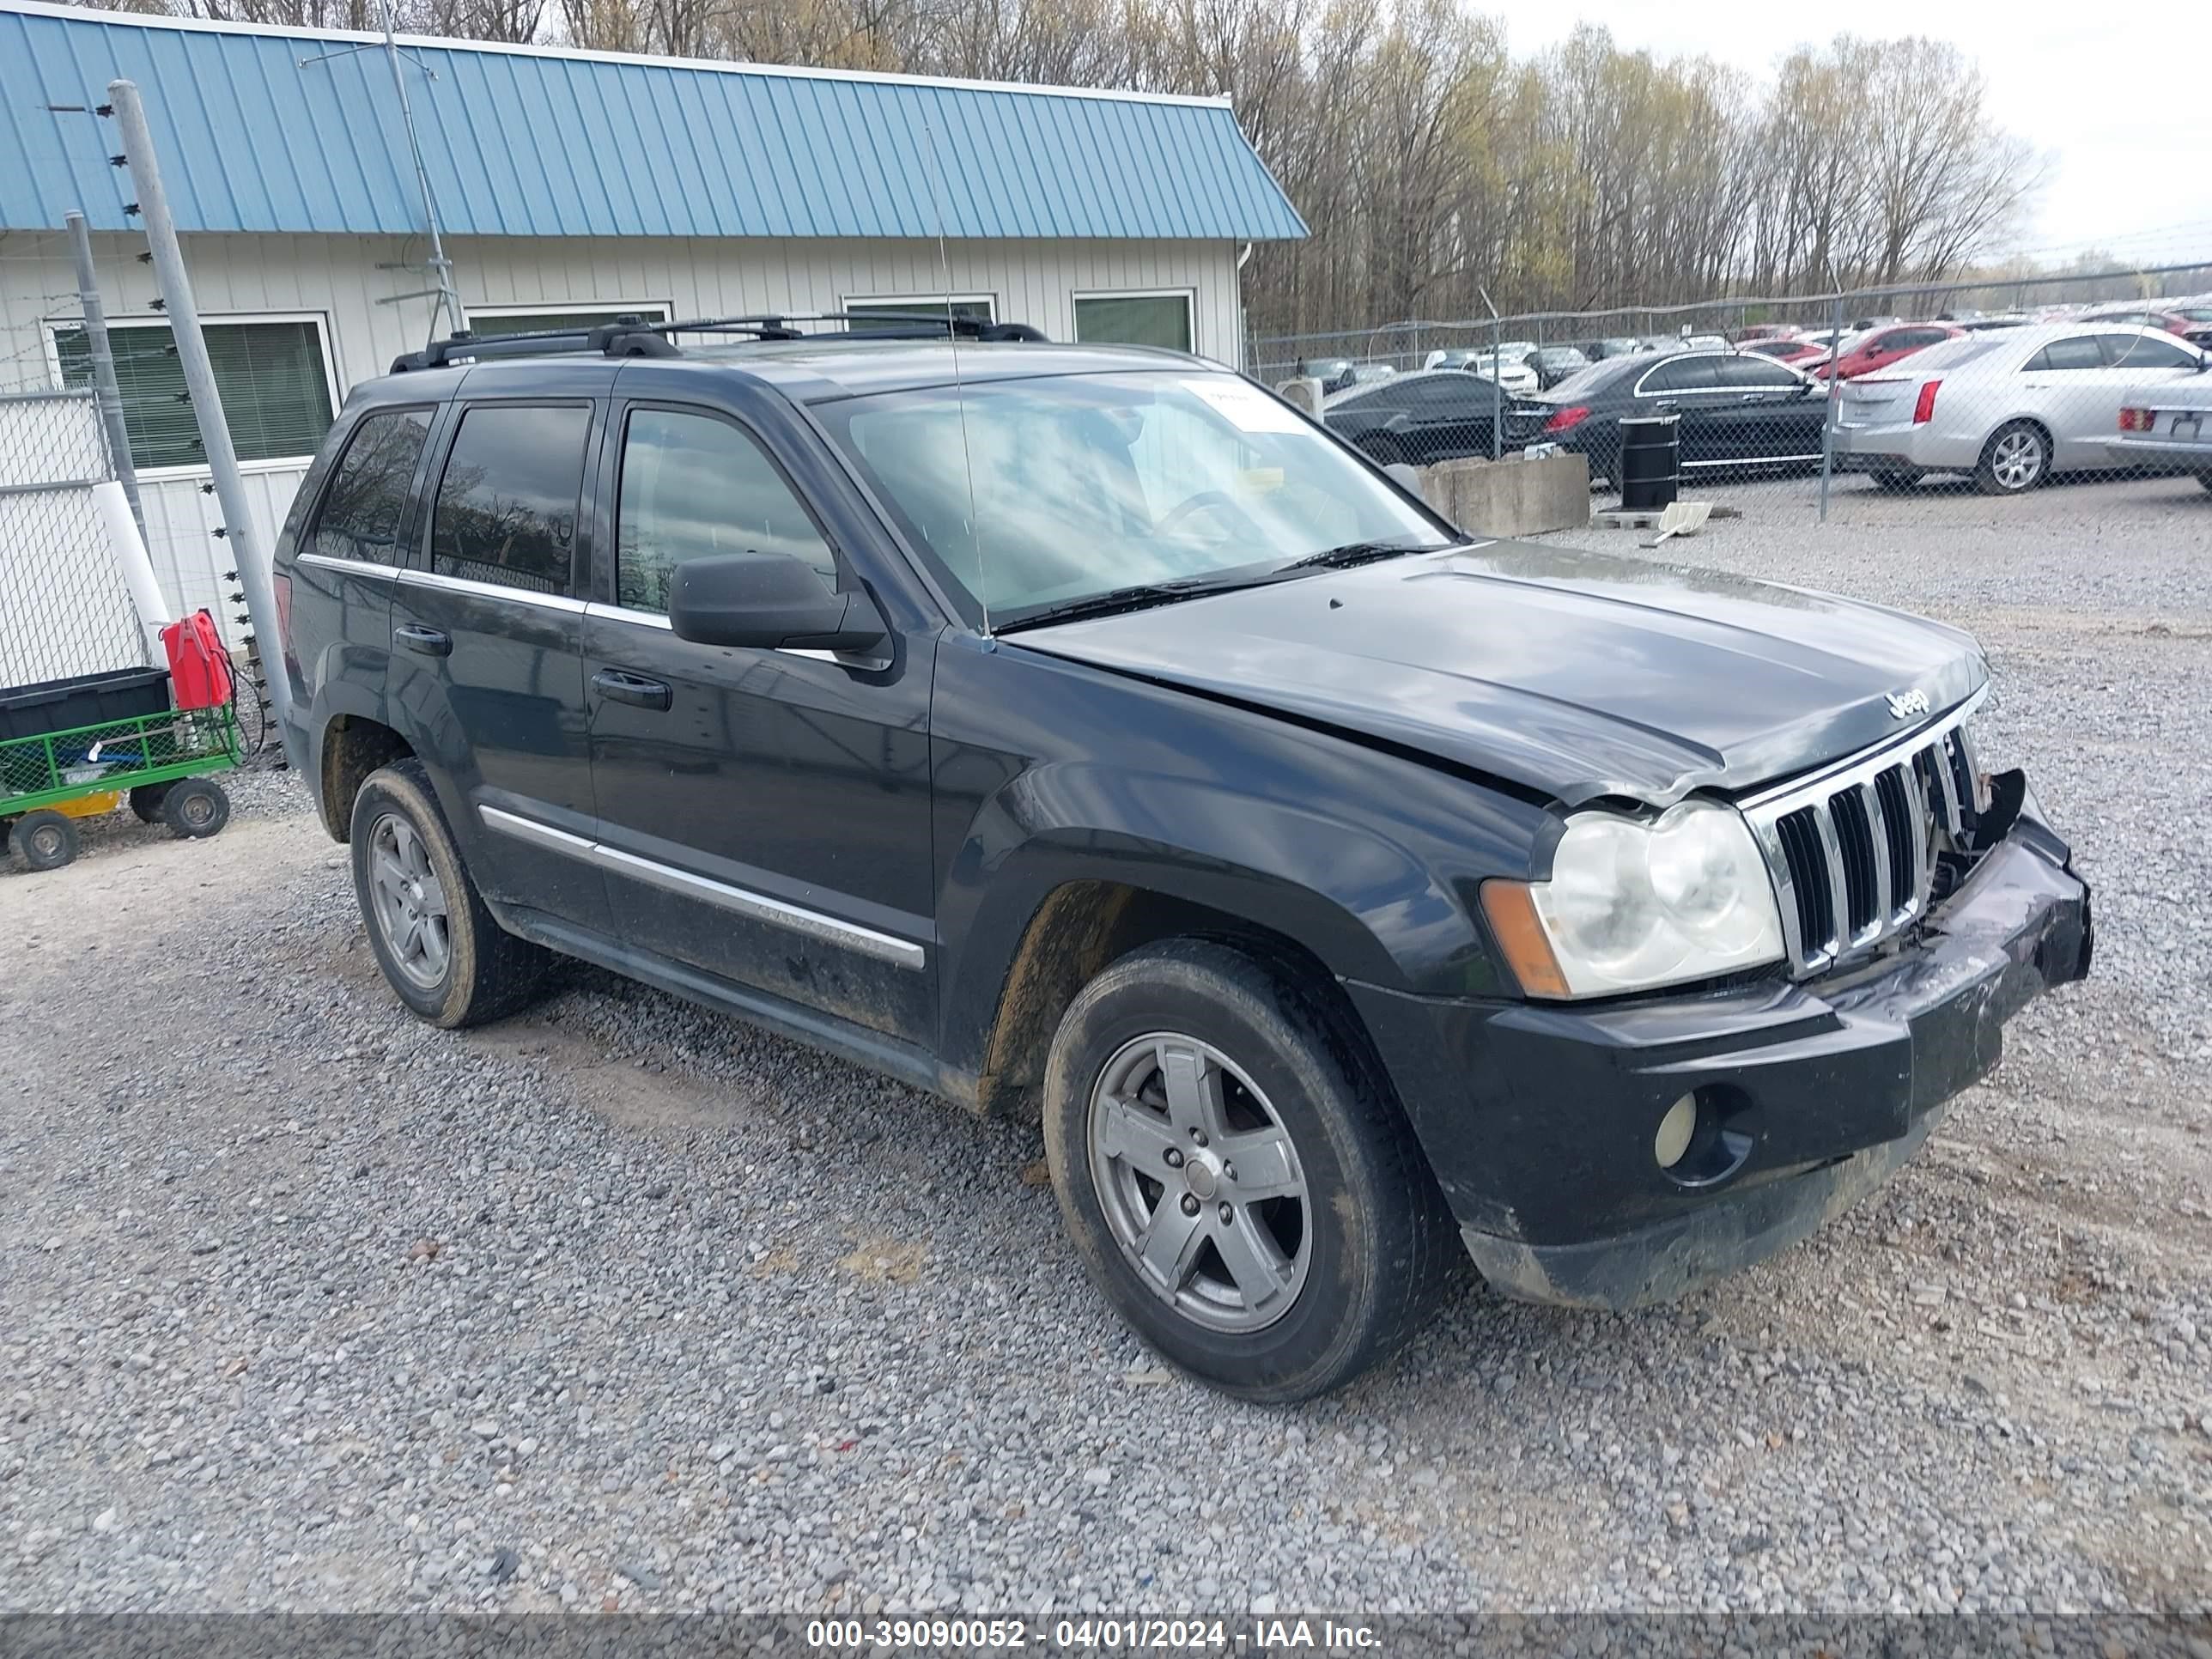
1852 849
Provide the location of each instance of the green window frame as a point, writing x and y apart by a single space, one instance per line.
984 308
1162 318
273 376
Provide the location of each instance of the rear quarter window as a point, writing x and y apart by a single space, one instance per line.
360 512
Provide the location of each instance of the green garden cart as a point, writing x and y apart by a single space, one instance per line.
75 748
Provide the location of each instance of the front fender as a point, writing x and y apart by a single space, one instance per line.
1048 771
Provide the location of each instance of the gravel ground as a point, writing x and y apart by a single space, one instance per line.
304 1305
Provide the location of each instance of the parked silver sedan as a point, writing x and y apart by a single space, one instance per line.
2166 425
2009 407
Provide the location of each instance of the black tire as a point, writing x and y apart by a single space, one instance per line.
194 809
1997 473
1895 482
46 840
486 973
146 801
1377 1243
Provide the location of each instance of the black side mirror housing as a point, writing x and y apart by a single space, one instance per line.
769 601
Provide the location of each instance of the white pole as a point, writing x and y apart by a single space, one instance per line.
132 558
253 573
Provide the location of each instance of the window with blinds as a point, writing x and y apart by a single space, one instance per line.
276 393
540 322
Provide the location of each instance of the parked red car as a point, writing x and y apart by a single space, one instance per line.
1885 346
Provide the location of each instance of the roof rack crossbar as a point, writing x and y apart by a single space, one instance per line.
632 335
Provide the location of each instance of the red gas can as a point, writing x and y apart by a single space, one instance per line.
199 667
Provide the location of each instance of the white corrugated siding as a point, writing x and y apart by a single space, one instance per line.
340 279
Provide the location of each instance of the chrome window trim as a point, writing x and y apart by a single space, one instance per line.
599 611
739 901
440 582
1672 359
358 567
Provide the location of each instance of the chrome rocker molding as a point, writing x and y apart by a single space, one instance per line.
739 901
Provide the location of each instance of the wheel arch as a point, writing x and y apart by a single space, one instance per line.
348 747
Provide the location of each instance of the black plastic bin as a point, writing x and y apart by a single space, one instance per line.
1651 461
32 711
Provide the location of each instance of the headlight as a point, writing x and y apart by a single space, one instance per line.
1632 904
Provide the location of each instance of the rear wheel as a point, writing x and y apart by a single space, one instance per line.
194 808
433 935
2016 459
146 802
1238 1179
47 840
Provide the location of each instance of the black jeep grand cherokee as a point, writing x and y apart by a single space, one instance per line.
1084 730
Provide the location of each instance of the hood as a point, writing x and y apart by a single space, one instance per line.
1577 675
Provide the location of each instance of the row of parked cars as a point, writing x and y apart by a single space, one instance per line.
2007 401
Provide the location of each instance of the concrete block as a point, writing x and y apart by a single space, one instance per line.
1516 497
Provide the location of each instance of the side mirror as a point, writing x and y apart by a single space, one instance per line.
770 601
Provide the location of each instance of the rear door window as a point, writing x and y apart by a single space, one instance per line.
1683 375
506 510
368 497
2076 351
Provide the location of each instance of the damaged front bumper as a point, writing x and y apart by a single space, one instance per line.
1824 1089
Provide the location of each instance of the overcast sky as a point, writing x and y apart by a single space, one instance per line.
2115 99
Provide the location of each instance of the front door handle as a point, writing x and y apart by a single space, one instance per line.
430 642
615 686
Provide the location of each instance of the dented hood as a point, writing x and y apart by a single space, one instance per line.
1578 675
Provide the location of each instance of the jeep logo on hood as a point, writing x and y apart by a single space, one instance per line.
1903 705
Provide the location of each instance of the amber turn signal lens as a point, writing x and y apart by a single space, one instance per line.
1521 936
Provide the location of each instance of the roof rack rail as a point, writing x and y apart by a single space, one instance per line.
632 335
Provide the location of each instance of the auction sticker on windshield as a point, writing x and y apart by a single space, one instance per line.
1246 407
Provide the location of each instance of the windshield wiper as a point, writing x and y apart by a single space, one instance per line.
1116 600
1352 553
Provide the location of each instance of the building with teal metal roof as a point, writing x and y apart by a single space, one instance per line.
568 185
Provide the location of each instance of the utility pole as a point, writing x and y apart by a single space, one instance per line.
105 392
253 574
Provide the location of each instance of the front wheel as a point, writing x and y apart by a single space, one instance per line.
2016 459
436 941
1237 1177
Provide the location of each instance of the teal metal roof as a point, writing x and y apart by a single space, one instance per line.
536 142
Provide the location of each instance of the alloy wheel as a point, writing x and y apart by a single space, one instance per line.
1200 1183
408 901
2016 459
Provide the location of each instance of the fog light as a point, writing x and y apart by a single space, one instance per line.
1675 1132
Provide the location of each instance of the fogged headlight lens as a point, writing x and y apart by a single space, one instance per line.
1633 904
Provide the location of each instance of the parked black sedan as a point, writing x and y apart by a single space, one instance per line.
1435 414
1738 409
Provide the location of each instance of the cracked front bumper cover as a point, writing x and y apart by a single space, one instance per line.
1897 1043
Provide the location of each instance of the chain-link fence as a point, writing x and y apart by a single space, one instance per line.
2000 387
65 610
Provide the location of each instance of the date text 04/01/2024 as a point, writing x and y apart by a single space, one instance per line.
1132 1634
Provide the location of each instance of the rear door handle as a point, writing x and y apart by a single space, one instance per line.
615 686
430 642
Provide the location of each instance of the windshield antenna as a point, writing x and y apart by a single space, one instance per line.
936 193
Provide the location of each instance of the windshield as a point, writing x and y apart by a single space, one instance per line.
1087 484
